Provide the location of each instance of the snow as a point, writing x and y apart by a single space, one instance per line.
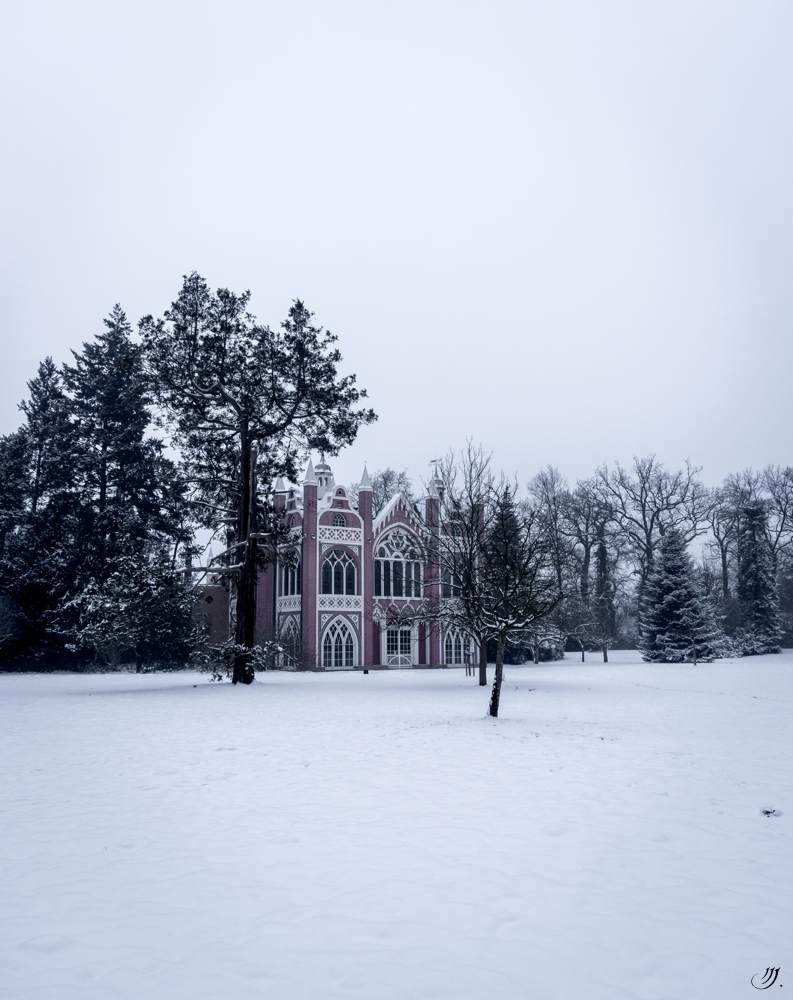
378 837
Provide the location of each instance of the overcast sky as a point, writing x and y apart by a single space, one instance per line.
561 228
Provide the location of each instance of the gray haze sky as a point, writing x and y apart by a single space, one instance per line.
564 229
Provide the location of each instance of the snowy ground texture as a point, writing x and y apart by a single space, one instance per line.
342 835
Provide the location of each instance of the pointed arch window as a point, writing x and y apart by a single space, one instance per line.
397 568
456 649
290 645
339 521
338 573
338 647
290 580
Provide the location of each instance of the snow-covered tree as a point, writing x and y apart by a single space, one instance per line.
520 589
244 403
90 488
676 625
760 629
140 607
130 493
40 555
648 499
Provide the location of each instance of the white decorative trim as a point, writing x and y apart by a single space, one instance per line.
284 623
350 536
325 547
291 603
339 602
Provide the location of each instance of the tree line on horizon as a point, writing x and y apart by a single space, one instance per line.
125 452
534 571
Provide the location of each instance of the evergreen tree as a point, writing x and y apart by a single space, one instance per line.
759 628
244 403
518 581
129 492
676 625
139 608
40 556
13 483
89 489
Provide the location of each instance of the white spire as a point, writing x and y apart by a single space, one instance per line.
309 476
366 482
435 483
279 485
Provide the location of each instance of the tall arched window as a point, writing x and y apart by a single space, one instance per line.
338 573
290 583
339 521
338 647
290 645
456 648
397 568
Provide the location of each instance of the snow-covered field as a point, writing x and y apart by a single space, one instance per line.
342 835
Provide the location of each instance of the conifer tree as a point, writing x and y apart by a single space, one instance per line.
13 482
92 490
40 557
759 628
676 625
244 403
518 583
129 492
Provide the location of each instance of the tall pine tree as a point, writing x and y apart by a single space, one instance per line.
40 558
126 485
245 402
87 490
759 628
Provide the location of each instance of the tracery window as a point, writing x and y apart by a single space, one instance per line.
290 580
338 647
339 521
397 568
290 645
456 648
338 573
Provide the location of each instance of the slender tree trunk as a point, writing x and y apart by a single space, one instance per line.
725 576
495 695
483 664
138 661
585 572
34 503
583 658
246 580
605 653
536 649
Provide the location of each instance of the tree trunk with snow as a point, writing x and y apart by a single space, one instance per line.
495 696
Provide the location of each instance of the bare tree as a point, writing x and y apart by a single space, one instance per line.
647 500
778 485
386 484
491 573
454 586
550 494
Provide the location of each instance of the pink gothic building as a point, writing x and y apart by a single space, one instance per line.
327 603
